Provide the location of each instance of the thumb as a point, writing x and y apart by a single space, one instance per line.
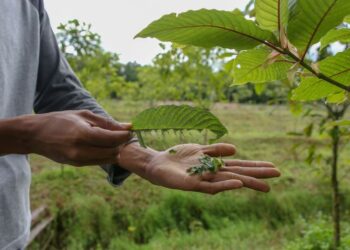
219 149
125 126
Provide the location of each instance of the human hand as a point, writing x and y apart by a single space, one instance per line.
169 169
78 138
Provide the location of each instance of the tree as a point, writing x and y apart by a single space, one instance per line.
183 74
274 47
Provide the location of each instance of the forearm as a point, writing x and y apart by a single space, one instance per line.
15 135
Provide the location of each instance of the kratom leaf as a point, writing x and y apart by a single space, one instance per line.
337 98
312 88
341 35
310 20
271 14
178 118
208 28
336 67
252 66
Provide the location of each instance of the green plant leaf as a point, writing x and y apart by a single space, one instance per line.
253 66
271 14
312 88
310 20
341 35
208 28
337 98
178 118
336 67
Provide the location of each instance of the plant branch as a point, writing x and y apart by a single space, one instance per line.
307 66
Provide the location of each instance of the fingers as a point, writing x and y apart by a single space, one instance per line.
104 122
106 138
253 183
241 163
219 149
216 187
256 172
248 181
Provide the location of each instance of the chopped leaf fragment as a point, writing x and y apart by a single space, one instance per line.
207 164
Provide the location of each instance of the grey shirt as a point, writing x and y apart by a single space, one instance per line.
33 76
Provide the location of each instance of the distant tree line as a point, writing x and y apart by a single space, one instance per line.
177 73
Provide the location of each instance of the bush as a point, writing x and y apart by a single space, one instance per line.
319 236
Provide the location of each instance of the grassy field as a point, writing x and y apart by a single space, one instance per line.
294 215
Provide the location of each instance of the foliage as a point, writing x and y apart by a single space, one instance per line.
208 28
76 38
235 220
183 74
178 73
318 236
288 44
257 66
177 118
276 47
311 20
342 35
336 67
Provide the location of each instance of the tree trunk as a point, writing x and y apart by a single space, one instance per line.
335 188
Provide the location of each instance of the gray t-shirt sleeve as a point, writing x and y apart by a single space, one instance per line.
59 89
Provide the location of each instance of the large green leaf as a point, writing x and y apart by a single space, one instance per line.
310 20
271 14
312 88
177 118
254 66
341 35
336 67
337 98
208 28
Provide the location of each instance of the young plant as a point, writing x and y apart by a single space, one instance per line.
274 46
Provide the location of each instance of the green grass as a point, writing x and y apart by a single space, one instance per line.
91 214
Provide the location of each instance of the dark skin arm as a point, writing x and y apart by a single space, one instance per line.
81 138
78 138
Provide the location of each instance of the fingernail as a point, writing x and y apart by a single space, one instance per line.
126 125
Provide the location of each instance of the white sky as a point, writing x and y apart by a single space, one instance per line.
119 21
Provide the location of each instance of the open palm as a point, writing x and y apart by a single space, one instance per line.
169 169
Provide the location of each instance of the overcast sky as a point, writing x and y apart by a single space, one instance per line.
119 21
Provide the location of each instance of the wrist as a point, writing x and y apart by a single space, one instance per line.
16 134
135 158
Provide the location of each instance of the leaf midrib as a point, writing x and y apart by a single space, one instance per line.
208 26
279 15
317 28
337 74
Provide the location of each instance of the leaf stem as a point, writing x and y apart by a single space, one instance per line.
318 75
307 66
